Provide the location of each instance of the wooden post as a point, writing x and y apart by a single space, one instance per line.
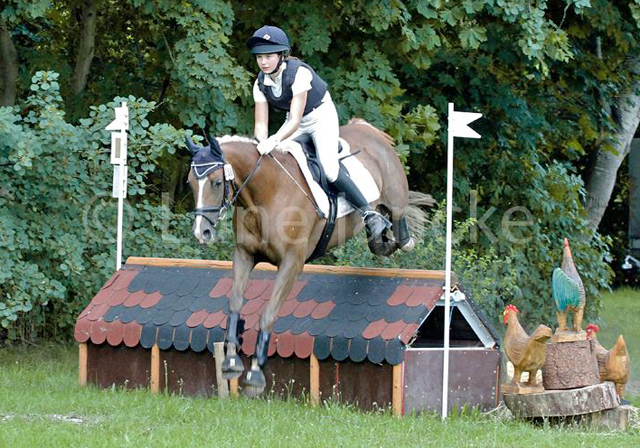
218 354
155 369
82 364
233 387
397 393
314 380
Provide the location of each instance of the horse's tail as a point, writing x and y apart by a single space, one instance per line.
416 216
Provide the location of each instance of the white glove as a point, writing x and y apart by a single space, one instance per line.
266 146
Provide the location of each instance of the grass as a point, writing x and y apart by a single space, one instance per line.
41 405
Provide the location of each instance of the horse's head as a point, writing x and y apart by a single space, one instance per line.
209 187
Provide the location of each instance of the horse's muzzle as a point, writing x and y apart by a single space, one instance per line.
204 232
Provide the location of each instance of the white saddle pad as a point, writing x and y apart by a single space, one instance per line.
360 175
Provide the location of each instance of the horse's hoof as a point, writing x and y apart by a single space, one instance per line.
232 367
409 245
255 378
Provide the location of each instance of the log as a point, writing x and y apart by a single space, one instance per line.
563 403
570 365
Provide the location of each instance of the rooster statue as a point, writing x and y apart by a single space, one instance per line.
568 293
526 353
614 364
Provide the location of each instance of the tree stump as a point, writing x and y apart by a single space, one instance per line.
564 403
570 365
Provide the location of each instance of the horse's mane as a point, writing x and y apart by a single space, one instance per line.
387 137
236 138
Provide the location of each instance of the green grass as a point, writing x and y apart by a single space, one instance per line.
41 405
621 316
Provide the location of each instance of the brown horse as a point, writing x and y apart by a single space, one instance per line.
275 219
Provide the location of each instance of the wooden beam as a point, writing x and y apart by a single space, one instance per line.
308 268
314 380
155 369
397 396
82 364
223 385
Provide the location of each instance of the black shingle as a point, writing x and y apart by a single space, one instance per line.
340 348
342 312
200 303
114 313
337 327
311 291
301 325
167 302
198 339
215 305
354 329
394 313
415 315
284 323
130 314
319 326
146 315
205 285
377 350
162 317
358 349
165 337
216 334
395 351
179 318
183 303
148 336
181 338
187 285
321 347
138 282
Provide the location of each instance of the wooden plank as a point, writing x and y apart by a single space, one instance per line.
397 394
314 380
82 364
155 369
233 387
308 268
218 354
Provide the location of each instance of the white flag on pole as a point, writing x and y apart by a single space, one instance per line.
458 122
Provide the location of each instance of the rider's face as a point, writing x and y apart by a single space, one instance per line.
267 62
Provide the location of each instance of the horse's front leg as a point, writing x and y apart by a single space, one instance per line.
287 273
243 264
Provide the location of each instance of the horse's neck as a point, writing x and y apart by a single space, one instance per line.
243 158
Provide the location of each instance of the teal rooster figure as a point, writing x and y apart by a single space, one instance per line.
568 292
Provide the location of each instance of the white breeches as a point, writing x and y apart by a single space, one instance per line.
322 126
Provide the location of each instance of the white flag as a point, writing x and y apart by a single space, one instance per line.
458 122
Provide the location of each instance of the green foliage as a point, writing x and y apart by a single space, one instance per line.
57 219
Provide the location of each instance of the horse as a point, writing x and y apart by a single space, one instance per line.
276 220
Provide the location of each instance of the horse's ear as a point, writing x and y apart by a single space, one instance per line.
192 147
215 146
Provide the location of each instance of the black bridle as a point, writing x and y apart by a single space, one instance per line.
228 180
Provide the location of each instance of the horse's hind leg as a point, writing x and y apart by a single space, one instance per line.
401 234
243 263
287 273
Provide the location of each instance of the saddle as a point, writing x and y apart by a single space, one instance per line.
318 174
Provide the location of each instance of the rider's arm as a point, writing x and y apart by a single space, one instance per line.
298 103
261 121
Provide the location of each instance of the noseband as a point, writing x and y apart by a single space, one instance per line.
228 178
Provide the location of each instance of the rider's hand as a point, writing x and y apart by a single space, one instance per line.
266 146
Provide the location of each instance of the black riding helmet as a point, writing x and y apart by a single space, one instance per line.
269 39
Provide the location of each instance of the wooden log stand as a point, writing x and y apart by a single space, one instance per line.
570 365
563 403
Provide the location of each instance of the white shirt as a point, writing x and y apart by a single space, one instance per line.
301 83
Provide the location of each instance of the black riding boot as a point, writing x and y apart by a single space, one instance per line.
374 222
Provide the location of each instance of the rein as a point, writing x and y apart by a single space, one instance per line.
228 178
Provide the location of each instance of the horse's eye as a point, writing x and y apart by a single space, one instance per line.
217 183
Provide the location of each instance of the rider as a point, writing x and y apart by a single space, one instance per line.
287 83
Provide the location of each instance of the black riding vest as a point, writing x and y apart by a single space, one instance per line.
283 102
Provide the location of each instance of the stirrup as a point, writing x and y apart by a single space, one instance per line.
375 223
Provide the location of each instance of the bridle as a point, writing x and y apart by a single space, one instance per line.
228 180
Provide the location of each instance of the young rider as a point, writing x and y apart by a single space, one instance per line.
291 85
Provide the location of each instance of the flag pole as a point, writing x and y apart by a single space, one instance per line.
457 127
447 268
